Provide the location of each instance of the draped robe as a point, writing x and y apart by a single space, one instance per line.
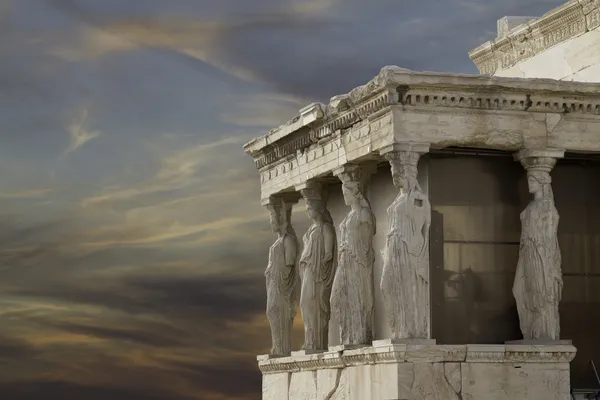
352 293
538 280
404 280
281 279
317 278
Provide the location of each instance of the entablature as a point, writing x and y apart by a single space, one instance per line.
444 110
534 36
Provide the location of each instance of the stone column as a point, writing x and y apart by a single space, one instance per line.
352 299
317 268
538 279
282 274
405 278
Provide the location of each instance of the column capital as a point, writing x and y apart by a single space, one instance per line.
413 147
542 160
309 185
287 198
538 153
312 191
355 172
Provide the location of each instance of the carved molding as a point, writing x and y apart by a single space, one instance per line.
531 38
419 353
353 172
425 92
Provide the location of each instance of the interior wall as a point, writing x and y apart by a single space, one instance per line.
476 204
577 195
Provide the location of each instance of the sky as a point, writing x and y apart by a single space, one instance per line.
132 240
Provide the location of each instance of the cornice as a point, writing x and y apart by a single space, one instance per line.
568 21
425 92
403 353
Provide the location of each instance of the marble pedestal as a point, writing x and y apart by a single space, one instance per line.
422 372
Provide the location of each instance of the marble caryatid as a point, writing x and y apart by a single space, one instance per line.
282 277
352 299
317 268
405 276
538 280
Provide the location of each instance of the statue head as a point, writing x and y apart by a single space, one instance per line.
538 174
280 213
404 168
274 219
404 176
537 180
314 209
351 192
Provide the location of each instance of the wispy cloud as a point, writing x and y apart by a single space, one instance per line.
263 110
180 169
79 132
25 194
88 44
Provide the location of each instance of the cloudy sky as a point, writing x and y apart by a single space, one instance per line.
132 241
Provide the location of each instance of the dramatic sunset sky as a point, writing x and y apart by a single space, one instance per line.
132 241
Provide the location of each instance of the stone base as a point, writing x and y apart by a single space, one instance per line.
386 342
344 347
541 342
422 371
306 352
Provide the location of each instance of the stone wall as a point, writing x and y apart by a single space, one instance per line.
563 44
577 59
403 372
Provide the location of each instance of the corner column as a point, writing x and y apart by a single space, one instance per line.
282 274
405 278
538 280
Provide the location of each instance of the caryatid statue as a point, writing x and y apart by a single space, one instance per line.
538 280
352 300
405 276
282 277
317 268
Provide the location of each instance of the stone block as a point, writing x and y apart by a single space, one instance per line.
328 383
275 386
303 386
511 381
444 372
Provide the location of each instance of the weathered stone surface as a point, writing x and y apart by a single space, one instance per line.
431 384
441 109
429 373
557 45
510 381
405 278
352 298
317 269
282 277
329 385
275 386
303 385
538 280
453 376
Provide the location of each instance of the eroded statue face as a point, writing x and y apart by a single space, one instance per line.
534 185
312 212
399 177
274 223
349 195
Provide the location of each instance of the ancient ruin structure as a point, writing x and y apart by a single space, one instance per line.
465 208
